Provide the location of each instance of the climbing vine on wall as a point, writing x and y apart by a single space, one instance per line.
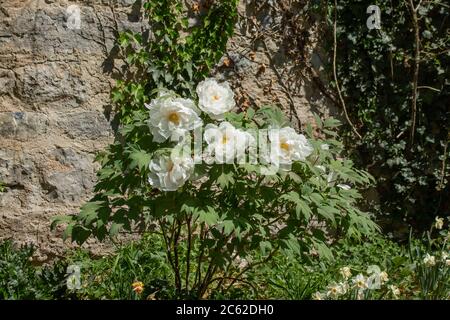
395 86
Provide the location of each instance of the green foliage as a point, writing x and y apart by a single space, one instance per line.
430 262
294 278
283 277
16 273
19 279
112 276
376 73
235 210
172 55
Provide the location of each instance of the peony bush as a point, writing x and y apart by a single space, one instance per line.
224 190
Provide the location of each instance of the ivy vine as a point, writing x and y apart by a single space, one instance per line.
395 85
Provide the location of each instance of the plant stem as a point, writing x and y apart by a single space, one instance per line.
188 257
175 250
198 273
335 72
415 22
168 249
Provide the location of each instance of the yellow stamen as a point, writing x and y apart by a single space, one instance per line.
174 118
170 166
215 97
285 146
224 139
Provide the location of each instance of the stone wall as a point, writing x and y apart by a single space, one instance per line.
55 107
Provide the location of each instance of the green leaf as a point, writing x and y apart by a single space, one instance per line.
140 159
328 213
301 207
60 220
115 228
89 211
68 232
80 234
228 226
208 216
265 247
225 179
323 250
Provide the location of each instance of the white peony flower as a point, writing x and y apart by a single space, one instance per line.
429 260
168 173
439 223
215 98
225 143
288 146
170 115
345 272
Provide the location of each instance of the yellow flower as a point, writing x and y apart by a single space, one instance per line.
138 287
439 223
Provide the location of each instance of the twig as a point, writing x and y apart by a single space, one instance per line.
415 22
284 88
428 87
335 73
441 182
255 291
252 266
188 256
